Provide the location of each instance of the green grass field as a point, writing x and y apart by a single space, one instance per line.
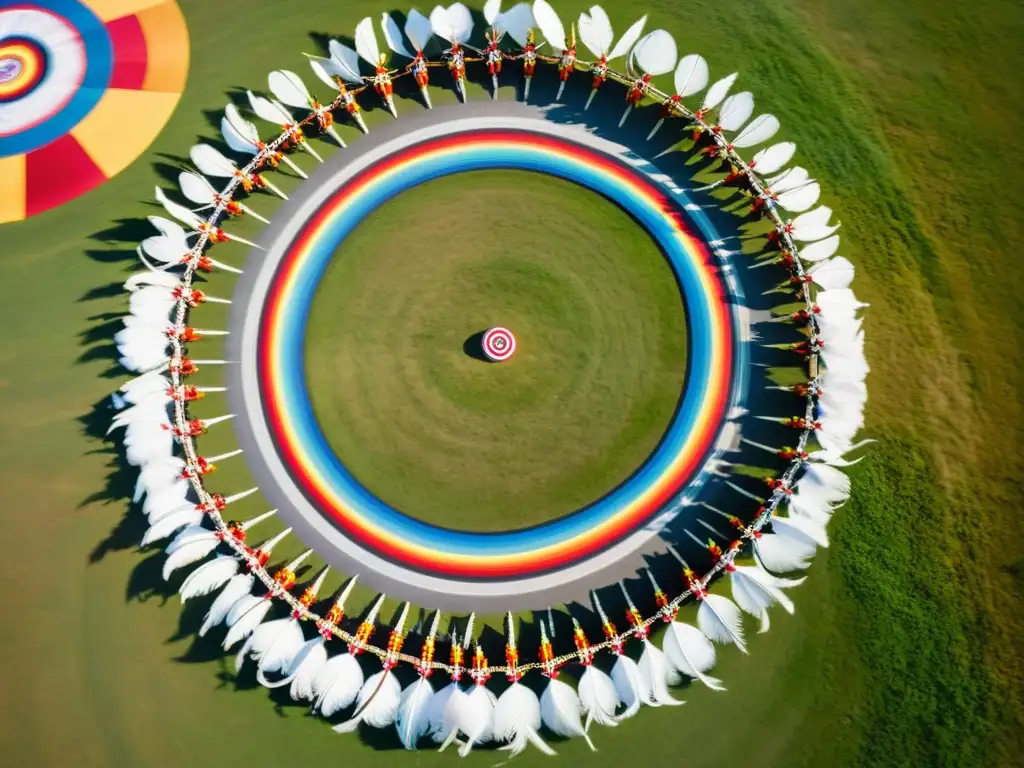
460 442
905 649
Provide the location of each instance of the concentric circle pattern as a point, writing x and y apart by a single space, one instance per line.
498 344
323 500
84 88
23 64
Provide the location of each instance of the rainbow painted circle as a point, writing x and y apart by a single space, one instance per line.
85 87
499 344
327 505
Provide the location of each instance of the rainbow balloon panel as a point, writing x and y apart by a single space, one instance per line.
85 87
338 496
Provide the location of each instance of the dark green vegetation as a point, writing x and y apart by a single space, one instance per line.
905 649
452 439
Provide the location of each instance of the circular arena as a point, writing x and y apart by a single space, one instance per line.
269 309
352 379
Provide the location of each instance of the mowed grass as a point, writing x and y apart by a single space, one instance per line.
905 646
424 423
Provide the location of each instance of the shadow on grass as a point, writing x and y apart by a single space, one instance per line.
131 231
474 347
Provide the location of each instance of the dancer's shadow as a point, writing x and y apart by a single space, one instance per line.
474 347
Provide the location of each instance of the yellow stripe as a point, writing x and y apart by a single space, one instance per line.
108 10
166 48
112 141
12 188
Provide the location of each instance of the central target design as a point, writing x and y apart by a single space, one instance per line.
321 498
22 67
499 344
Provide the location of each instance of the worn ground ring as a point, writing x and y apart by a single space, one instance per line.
352 529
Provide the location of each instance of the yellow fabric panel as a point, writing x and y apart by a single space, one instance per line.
108 10
166 48
122 125
12 188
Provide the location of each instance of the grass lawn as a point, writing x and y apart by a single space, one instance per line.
905 648
452 439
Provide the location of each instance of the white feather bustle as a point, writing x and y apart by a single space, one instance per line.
517 720
376 704
445 699
598 696
719 619
472 715
779 553
235 589
561 711
413 721
691 652
272 645
754 590
299 671
336 684
244 617
626 678
209 577
654 673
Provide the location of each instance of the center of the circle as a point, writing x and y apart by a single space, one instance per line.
587 383
10 68
498 344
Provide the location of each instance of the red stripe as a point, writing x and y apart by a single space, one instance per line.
130 56
57 173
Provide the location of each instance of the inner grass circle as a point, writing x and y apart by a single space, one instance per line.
433 430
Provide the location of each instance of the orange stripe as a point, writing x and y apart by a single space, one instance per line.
167 48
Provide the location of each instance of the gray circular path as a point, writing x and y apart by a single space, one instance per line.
450 595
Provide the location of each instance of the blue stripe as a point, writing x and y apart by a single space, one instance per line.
324 462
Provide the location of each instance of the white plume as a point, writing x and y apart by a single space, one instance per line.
244 617
754 589
719 619
598 696
209 577
690 651
234 590
517 719
561 710
654 674
413 720
337 684
626 678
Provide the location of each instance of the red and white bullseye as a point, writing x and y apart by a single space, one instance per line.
499 344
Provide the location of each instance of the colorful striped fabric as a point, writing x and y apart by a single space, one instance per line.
85 87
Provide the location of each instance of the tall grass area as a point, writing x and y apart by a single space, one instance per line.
931 556
905 648
929 697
